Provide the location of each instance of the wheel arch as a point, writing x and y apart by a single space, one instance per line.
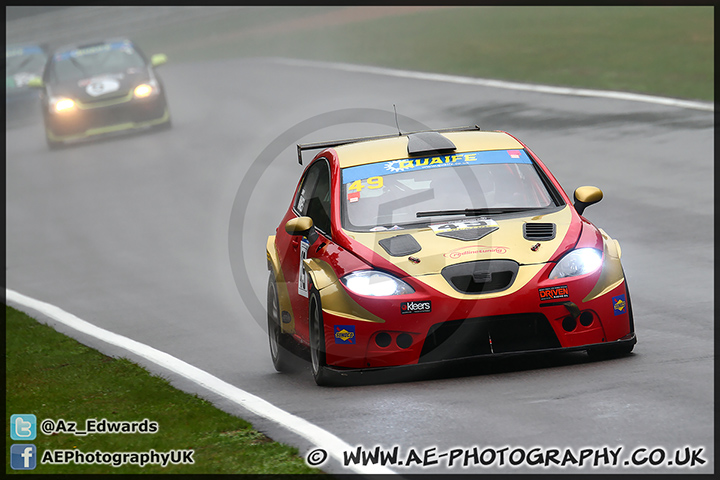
273 264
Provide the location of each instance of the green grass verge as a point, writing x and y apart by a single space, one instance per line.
54 377
666 51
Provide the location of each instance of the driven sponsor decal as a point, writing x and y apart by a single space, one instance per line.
344 334
475 250
553 293
416 307
619 304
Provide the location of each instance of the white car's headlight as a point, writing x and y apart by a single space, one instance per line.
147 89
577 262
62 104
376 284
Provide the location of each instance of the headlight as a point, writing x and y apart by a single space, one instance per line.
577 262
146 89
62 105
376 284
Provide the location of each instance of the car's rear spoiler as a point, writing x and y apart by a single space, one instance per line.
336 143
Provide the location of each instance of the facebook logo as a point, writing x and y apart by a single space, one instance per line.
23 426
22 457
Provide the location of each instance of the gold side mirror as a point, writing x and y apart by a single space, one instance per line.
299 225
586 196
302 226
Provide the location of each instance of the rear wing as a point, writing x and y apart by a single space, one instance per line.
336 143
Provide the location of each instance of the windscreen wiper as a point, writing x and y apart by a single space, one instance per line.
472 212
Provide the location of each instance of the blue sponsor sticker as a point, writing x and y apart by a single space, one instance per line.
344 334
619 304
361 172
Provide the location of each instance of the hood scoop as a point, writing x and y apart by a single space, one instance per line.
429 142
539 231
400 245
467 234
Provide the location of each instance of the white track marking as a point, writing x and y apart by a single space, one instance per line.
440 77
333 445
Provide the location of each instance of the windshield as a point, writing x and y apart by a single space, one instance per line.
420 191
95 60
24 60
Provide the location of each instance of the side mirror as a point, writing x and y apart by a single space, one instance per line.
586 196
302 226
158 59
35 82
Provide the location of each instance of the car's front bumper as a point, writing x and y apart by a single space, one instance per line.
89 122
497 325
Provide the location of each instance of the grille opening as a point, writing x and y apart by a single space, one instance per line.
539 231
482 276
472 336
468 284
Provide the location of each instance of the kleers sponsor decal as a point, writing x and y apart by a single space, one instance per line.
619 304
416 307
475 250
553 293
344 334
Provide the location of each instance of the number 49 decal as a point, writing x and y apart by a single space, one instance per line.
372 183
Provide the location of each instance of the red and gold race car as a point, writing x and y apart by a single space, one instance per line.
439 245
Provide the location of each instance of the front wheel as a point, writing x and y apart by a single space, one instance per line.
53 144
317 340
279 341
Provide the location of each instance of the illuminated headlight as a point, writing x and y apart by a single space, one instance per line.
62 105
146 89
577 262
375 284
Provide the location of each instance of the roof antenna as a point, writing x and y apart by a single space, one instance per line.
396 121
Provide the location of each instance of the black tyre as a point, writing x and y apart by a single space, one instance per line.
279 341
317 340
52 144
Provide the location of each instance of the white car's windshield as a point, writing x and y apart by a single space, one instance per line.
422 190
24 59
95 60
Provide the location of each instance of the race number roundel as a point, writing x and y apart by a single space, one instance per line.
102 86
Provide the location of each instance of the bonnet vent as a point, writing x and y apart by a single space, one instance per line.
400 245
539 231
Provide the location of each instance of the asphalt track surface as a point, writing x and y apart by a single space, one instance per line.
140 235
